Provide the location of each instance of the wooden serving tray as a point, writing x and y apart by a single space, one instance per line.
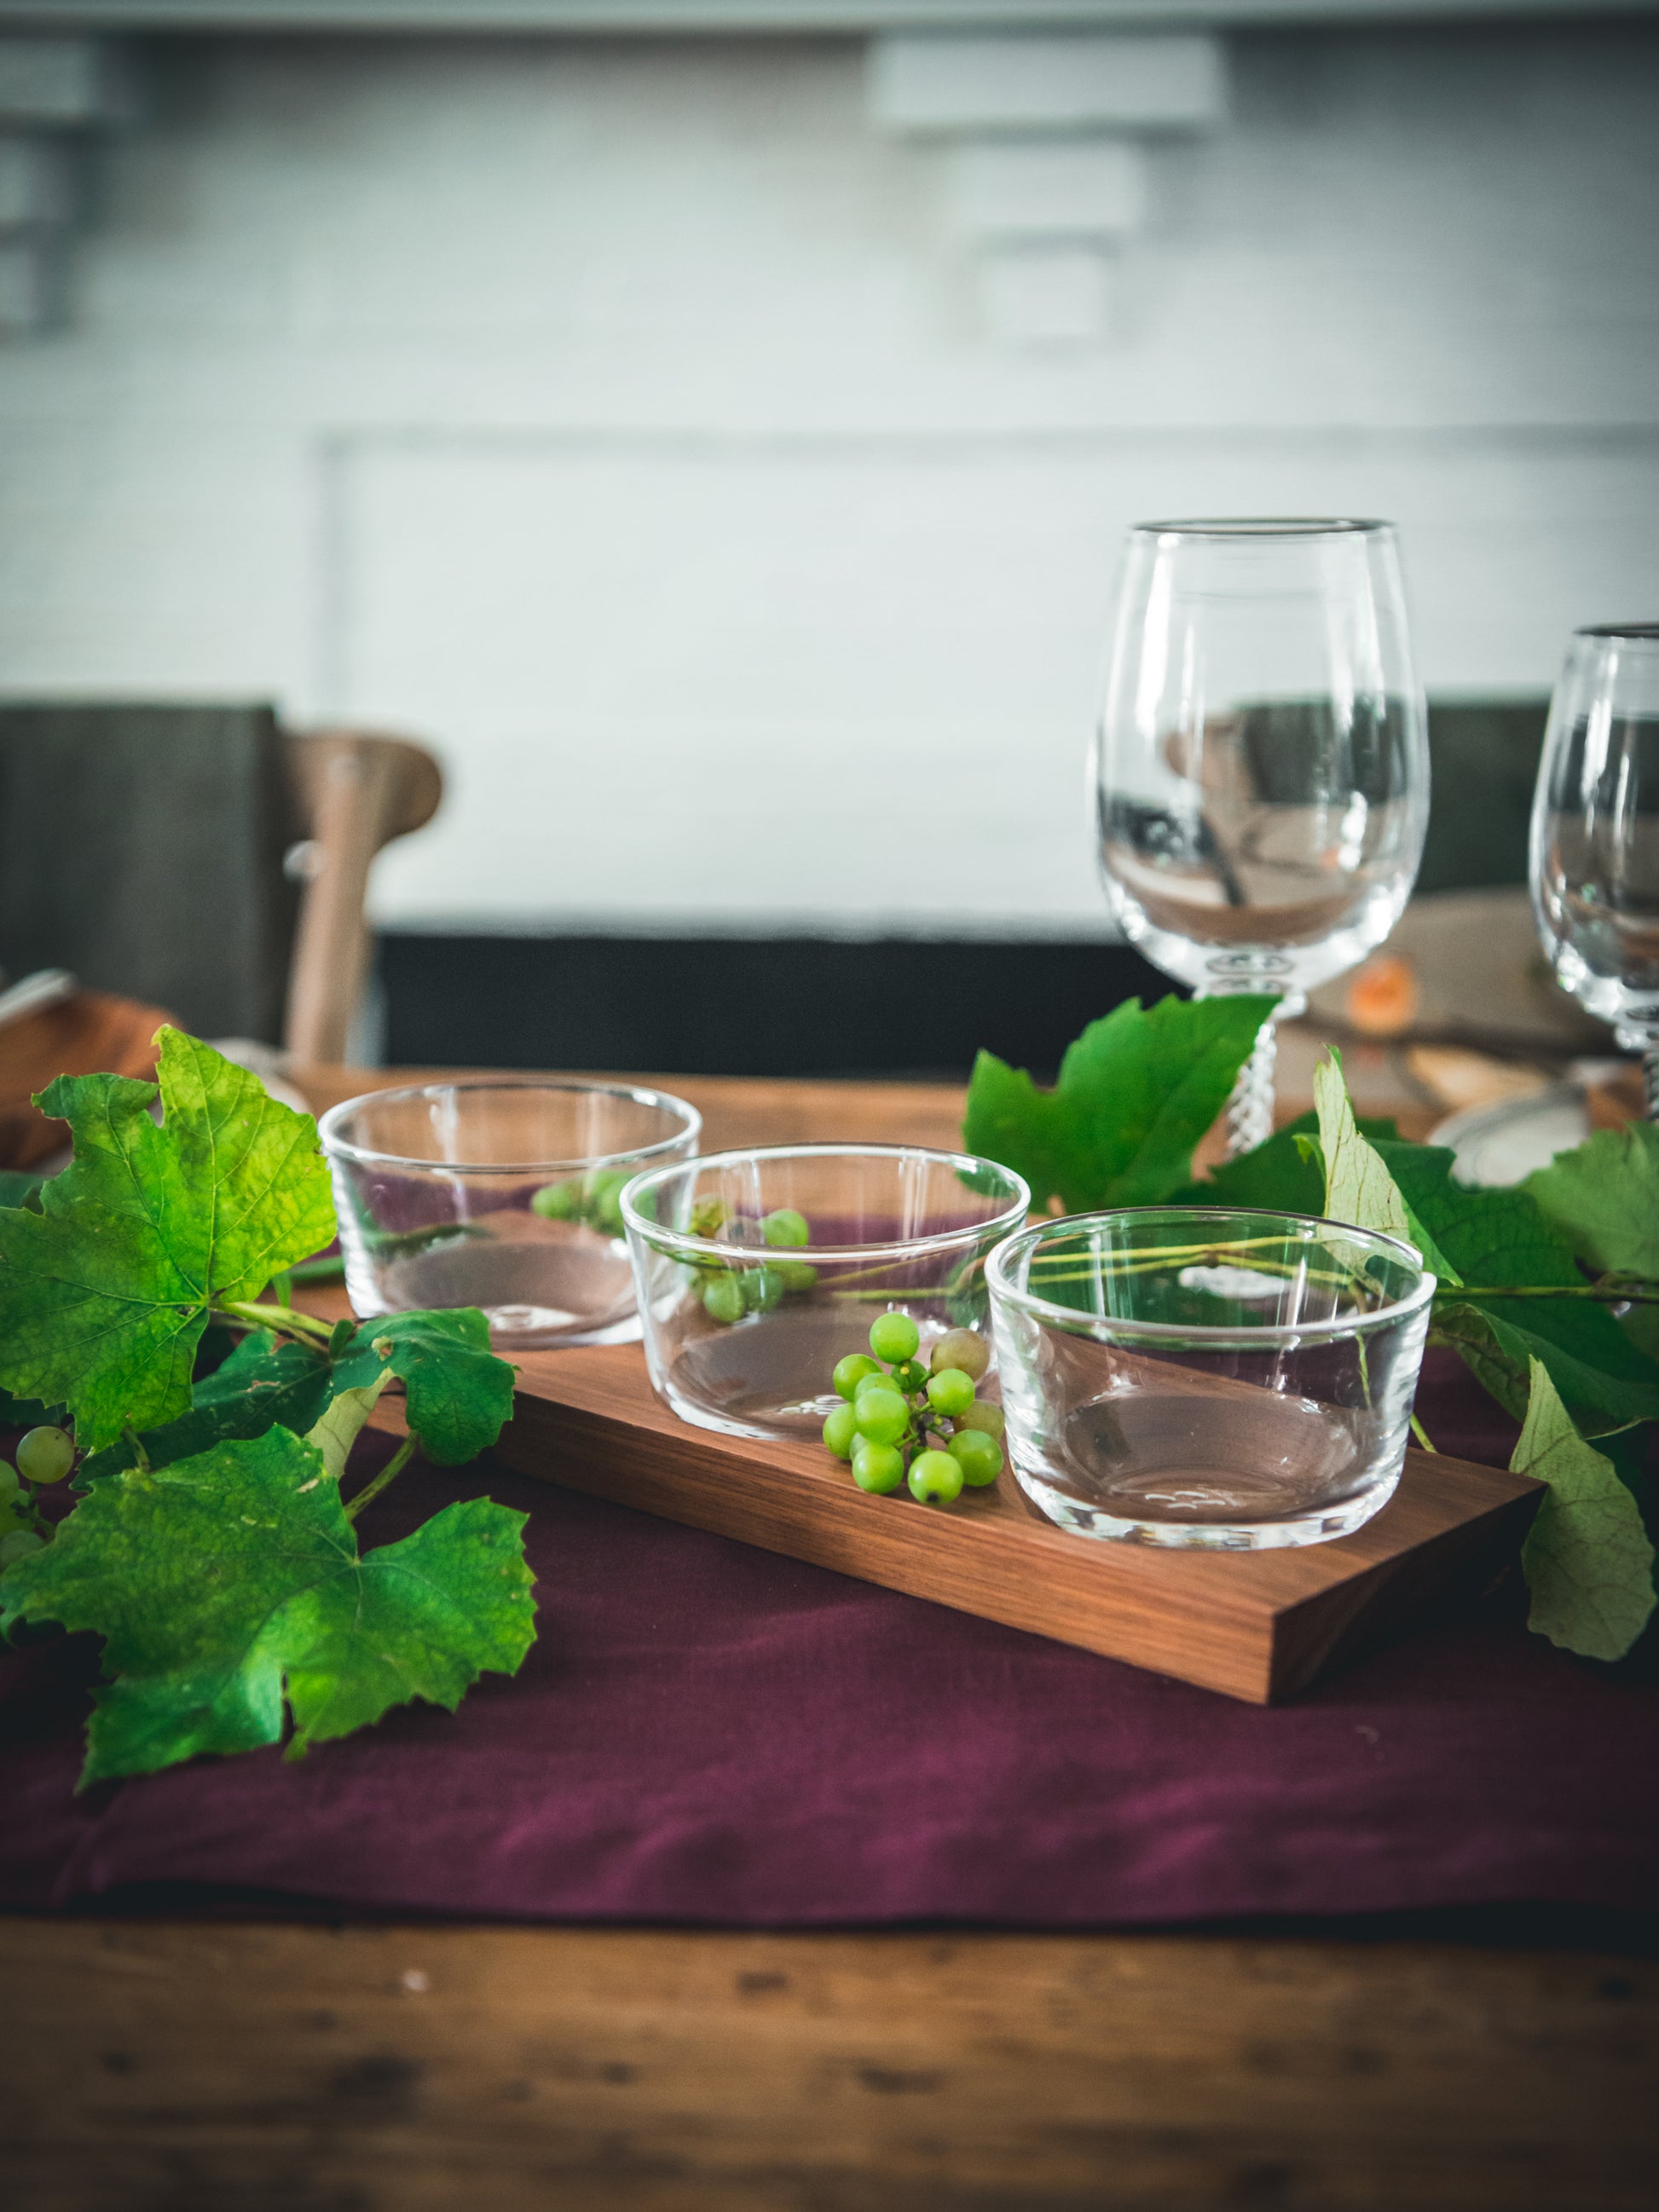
1255 1625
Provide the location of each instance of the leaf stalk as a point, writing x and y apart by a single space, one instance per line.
1646 1294
286 1320
394 1467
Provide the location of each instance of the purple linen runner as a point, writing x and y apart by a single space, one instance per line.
709 1734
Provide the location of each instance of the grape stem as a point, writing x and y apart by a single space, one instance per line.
1605 1293
394 1467
283 1319
26 1508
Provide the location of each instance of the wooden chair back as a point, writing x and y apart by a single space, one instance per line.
202 858
355 791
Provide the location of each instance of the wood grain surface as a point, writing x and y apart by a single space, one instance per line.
735 1109
192 2069
767 1110
1258 1625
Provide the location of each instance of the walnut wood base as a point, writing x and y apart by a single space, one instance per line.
1258 1625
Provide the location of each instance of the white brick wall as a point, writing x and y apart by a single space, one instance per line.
620 417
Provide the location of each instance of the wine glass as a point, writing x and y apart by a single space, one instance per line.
1262 762
1596 834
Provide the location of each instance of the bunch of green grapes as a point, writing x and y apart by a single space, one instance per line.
594 1200
729 1292
44 1455
902 1422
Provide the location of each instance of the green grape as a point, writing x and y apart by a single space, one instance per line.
604 1197
841 1431
787 1227
881 1415
979 1456
894 1336
949 1392
723 1300
45 1455
910 1377
22 1541
985 1415
795 1274
935 1479
762 1288
8 1482
960 1347
857 1367
709 1216
878 1468
881 1380
558 1201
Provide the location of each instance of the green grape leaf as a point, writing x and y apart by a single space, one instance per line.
1285 1175
422 1618
264 1382
1358 1187
459 1393
1602 1199
104 1294
229 1584
1136 1092
1499 1350
1490 1239
1498 1239
1587 1557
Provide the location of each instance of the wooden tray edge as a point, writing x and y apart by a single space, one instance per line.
1174 1613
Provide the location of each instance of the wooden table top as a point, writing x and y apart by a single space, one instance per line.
735 1109
179 2067
771 1110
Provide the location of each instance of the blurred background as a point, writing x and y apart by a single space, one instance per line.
708 431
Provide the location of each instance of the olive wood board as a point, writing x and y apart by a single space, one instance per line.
1259 1626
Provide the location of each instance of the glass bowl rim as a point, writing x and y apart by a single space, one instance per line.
339 1147
1209 1335
679 1241
1263 528
1620 633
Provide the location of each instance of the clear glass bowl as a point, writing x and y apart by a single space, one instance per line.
1227 1380
757 1271
501 1193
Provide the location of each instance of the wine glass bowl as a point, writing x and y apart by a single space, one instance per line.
1595 851
1261 759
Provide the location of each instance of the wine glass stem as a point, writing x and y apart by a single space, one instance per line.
1250 1110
